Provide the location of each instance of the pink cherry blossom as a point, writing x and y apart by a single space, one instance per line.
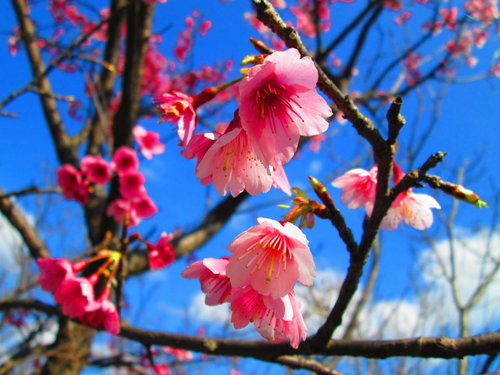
358 187
103 316
96 169
144 207
54 272
121 209
279 103
72 183
483 10
271 257
132 184
275 319
205 26
162 254
76 296
149 142
141 207
179 354
178 107
125 160
213 279
198 147
232 164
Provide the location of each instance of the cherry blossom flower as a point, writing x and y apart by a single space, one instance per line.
483 10
213 279
232 164
358 187
179 354
132 211
124 160
96 169
275 319
132 184
149 142
271 257
162 254
72 183
144 207
177 107
82 289
122 211
204 27
279 103
76 296
54 272
104 315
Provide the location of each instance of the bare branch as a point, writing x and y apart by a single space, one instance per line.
35 245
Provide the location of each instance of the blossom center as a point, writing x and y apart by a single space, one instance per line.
276 103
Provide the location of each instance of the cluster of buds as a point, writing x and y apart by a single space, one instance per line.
304 208
83 288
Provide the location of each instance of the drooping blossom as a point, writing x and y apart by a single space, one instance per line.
275 319
213 279
162 254
76 296
271 257
144 207
179 354
54 272
279 103
96 169
149 142
232 164
124 160
132 184
104 315
180 108
83 288
73 184
358 187
412 208
483 10
177 107
132 211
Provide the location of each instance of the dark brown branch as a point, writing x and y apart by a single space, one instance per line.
35 245
299 363
334 215
30 190
395 119
66 153
423 347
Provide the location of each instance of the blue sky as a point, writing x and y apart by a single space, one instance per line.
468 129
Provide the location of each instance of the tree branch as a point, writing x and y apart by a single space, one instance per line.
423 347
35 245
